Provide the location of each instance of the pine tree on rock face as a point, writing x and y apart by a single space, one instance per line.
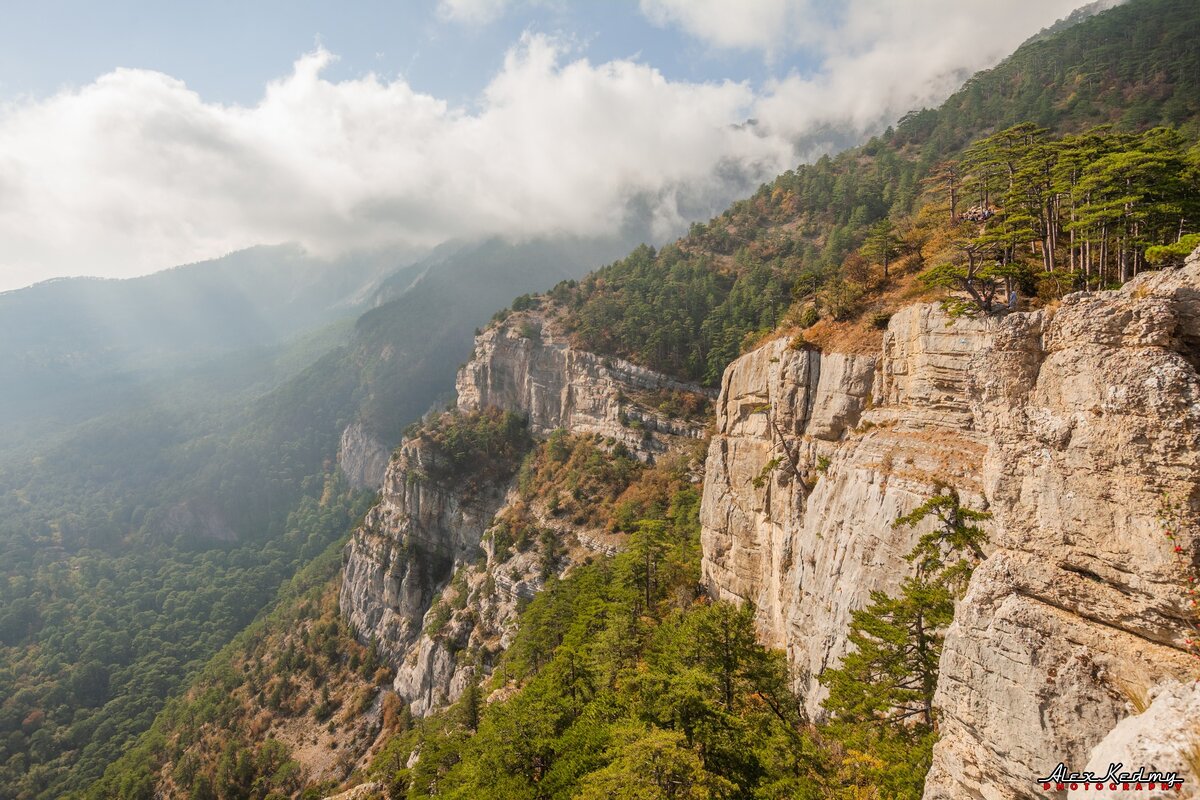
958 534
890 676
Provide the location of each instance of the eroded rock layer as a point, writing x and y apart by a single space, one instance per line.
526 364
1069 426
421 577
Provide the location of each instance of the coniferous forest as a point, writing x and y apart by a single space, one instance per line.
155 624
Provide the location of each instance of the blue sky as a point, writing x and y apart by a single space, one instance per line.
135 136
227 51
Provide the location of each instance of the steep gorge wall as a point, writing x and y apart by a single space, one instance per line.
422 578
1068 427
1092 416
871 437
527 365
409 545
363 458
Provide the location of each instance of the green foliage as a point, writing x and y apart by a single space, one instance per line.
653 765
833 231
1088 206
760 480
136 624
881 244
145 513
107 600
208 736
881 696
627 684
1133 66
624 681
1173 254
579 478
473 448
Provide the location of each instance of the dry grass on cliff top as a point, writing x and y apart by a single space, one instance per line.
862 333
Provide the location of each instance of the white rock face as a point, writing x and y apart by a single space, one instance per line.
1160 739
407 548
871 437
397 583
362 457
1090 416
482 602
524 364
1068 427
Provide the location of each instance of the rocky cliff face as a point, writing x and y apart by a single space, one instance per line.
474 618
814 456
1068 426
527 364
362 457
1165 735
1092 415
424 578
407 548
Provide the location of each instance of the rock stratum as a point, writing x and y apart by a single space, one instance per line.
528 365
422 578
1070 426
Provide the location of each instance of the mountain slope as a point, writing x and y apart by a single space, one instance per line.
798 242
75 348
609 693
137 542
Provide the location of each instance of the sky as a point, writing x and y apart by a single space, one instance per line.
135 136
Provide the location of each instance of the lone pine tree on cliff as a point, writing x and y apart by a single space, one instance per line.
890 676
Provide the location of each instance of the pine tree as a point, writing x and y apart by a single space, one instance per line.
880 244
891 674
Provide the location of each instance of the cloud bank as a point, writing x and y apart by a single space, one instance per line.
135 172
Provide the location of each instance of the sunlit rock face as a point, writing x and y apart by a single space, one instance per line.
1069 426
399 586
814 455
525 364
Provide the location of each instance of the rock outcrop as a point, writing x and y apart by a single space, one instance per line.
409 545
1165 737
422 579
815 454
362 458
1092 417
526 364
1068 426
474 618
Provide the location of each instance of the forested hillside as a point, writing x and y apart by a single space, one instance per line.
825 240
1072 165
135 544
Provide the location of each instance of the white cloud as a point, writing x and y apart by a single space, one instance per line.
876 59
751 24
135 172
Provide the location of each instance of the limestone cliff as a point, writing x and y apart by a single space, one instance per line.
362 457
527 364
814 456
1166 735
1068 425
1092 415
422 576
407 548
474 618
